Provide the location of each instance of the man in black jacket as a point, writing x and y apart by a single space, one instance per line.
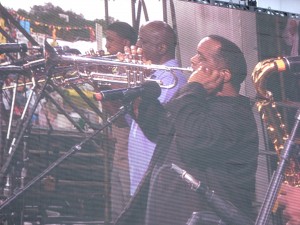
207 129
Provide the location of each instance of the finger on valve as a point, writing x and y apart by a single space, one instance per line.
133 53
120 56
127 52
139 52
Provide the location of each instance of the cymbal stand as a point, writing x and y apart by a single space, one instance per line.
1 109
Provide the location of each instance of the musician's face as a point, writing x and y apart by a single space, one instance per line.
114 43
206 56
149 41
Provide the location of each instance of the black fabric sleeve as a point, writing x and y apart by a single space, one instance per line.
154 118
203 130
151 113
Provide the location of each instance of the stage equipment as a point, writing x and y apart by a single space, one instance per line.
18 48
288 169
224 209
4 205
149 90
12 47
22 66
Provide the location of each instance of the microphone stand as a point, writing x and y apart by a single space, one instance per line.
1 110
21 129
24 121
278 176
122 111
4 71
224 210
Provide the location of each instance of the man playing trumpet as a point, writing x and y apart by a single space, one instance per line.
208 129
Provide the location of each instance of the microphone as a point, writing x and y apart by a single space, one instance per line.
12 47
226 210
23 60
34 64
11 69
149 90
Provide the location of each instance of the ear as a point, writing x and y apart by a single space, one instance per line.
226 74
162 48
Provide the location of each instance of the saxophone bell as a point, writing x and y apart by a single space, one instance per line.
291 64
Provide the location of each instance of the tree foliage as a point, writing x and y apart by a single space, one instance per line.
45 17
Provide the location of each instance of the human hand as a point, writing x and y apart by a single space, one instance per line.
132 54
210 80
289 198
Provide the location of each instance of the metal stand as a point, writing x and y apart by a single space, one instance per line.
278 176
4 71
122 111
23 125
1 110
25 121
11 161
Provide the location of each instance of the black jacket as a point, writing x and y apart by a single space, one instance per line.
213 138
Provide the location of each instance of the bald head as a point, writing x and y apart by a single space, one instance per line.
161 31
160 35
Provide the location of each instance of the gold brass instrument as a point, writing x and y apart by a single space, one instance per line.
288 170
267 107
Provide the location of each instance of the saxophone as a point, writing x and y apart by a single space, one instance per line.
266 105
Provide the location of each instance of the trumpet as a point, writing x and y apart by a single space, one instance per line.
78 69
95 61
134 74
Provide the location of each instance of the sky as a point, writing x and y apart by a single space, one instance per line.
92 9
121 9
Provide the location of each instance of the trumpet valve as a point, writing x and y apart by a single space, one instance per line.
139 52
133 54
128 56
140 78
